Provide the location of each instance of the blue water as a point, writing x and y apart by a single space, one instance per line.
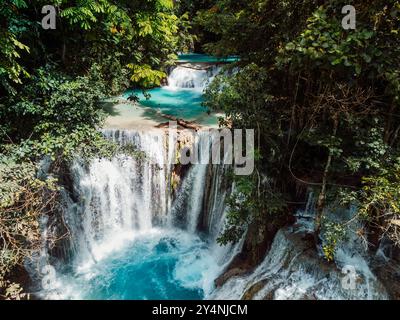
182 103
204 58
165 265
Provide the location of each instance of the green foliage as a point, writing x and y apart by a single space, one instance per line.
326 46
110 33
142 36
10 47
52 105
186 40
23 199
145 76
52 87
326 43
379 201
323 100
249 202
332 234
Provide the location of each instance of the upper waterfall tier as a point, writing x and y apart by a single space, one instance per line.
192 76
182 98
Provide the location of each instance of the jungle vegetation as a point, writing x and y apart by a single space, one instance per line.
52 85
323 101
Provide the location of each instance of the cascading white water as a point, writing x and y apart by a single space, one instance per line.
124 225
125 204
293 270
191 194
119 197
130 239
287 274
154 175
188 77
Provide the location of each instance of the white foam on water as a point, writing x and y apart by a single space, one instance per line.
191 78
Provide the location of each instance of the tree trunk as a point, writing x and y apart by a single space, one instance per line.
322 194
64 51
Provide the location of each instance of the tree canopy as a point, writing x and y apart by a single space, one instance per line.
324 101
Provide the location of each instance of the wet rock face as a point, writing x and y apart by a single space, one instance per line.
386 266
230 273
293 269
258 241
299 255
389 274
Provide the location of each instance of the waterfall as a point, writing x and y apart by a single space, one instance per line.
190 197
134 232
126 202
191 194
293 269
153 174
130 236
123 196
189 77
288 273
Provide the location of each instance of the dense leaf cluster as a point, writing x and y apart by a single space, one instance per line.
324 102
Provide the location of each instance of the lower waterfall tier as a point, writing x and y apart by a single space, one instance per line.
130 237
133 235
